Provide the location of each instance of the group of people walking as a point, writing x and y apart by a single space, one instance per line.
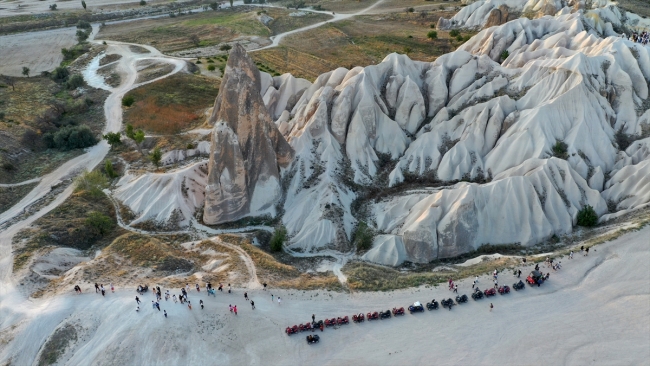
643 37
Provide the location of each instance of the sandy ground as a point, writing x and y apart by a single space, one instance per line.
596 310
40 51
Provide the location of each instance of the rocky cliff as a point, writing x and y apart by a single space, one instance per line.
247 150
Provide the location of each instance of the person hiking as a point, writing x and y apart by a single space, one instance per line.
264 284
234 308
253 304
103 292
174 298
476 279
220 287
271 297
518 273
587 251
158 306
230 307
582 249
96 287
137 299
313 318
456 288
112 288
473 283
571 255
137 308
246 295
165 312
153 304
201 303
491 307
279 300
198 289
189 305
229 289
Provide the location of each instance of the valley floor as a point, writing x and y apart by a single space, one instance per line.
595 310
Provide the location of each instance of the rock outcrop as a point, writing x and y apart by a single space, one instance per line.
247 149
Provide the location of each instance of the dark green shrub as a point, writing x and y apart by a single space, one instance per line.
587 216
84 25
155 157
99 223
432 35
128 101
75 82
560 150
60 73
505 54
454 33
113 138
278 239
225 47
70 137
363 236
108 168
211 67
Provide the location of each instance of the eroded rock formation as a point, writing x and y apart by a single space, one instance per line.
247 149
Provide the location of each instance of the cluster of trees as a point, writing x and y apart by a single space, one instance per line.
70 137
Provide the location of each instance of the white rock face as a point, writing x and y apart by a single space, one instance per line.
468 117
167 199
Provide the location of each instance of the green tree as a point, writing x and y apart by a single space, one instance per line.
211 67
363 236
129 132
108 168
214 6
155 157
84 25
53 7
83 3
74 82
138 137
454 33
91 183
82 36
587 216
278 239
26 71
143 3
99 223
128 100
504 55
113 138
432 35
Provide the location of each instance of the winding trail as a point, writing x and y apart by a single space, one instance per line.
24 183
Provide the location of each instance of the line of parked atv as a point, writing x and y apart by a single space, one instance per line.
533 279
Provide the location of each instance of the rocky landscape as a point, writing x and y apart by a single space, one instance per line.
503 141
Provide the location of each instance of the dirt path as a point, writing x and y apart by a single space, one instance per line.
254 282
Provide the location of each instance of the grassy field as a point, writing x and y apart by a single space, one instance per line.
360 41
11 196
210 28
173 104
22 154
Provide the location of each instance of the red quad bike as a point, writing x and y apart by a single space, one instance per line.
292 330
343 320
330 322
305 327
397 311
372 316
535 278
490 292
504 290
358 318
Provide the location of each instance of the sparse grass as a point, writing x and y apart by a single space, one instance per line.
141 250
171 105
361 41
57 344
11 196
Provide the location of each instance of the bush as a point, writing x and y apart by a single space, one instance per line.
108 168
143 3
155 157
432 35
82 36
113 138
587 216
505 54
99 223
84 25
70 137
454 33
92 183
459 38
60 73
128 101
75 82
432 26
53 7
211 67
560 150
278 239
363 236
225 47
129 132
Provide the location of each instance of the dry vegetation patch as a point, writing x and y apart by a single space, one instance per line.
171 105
